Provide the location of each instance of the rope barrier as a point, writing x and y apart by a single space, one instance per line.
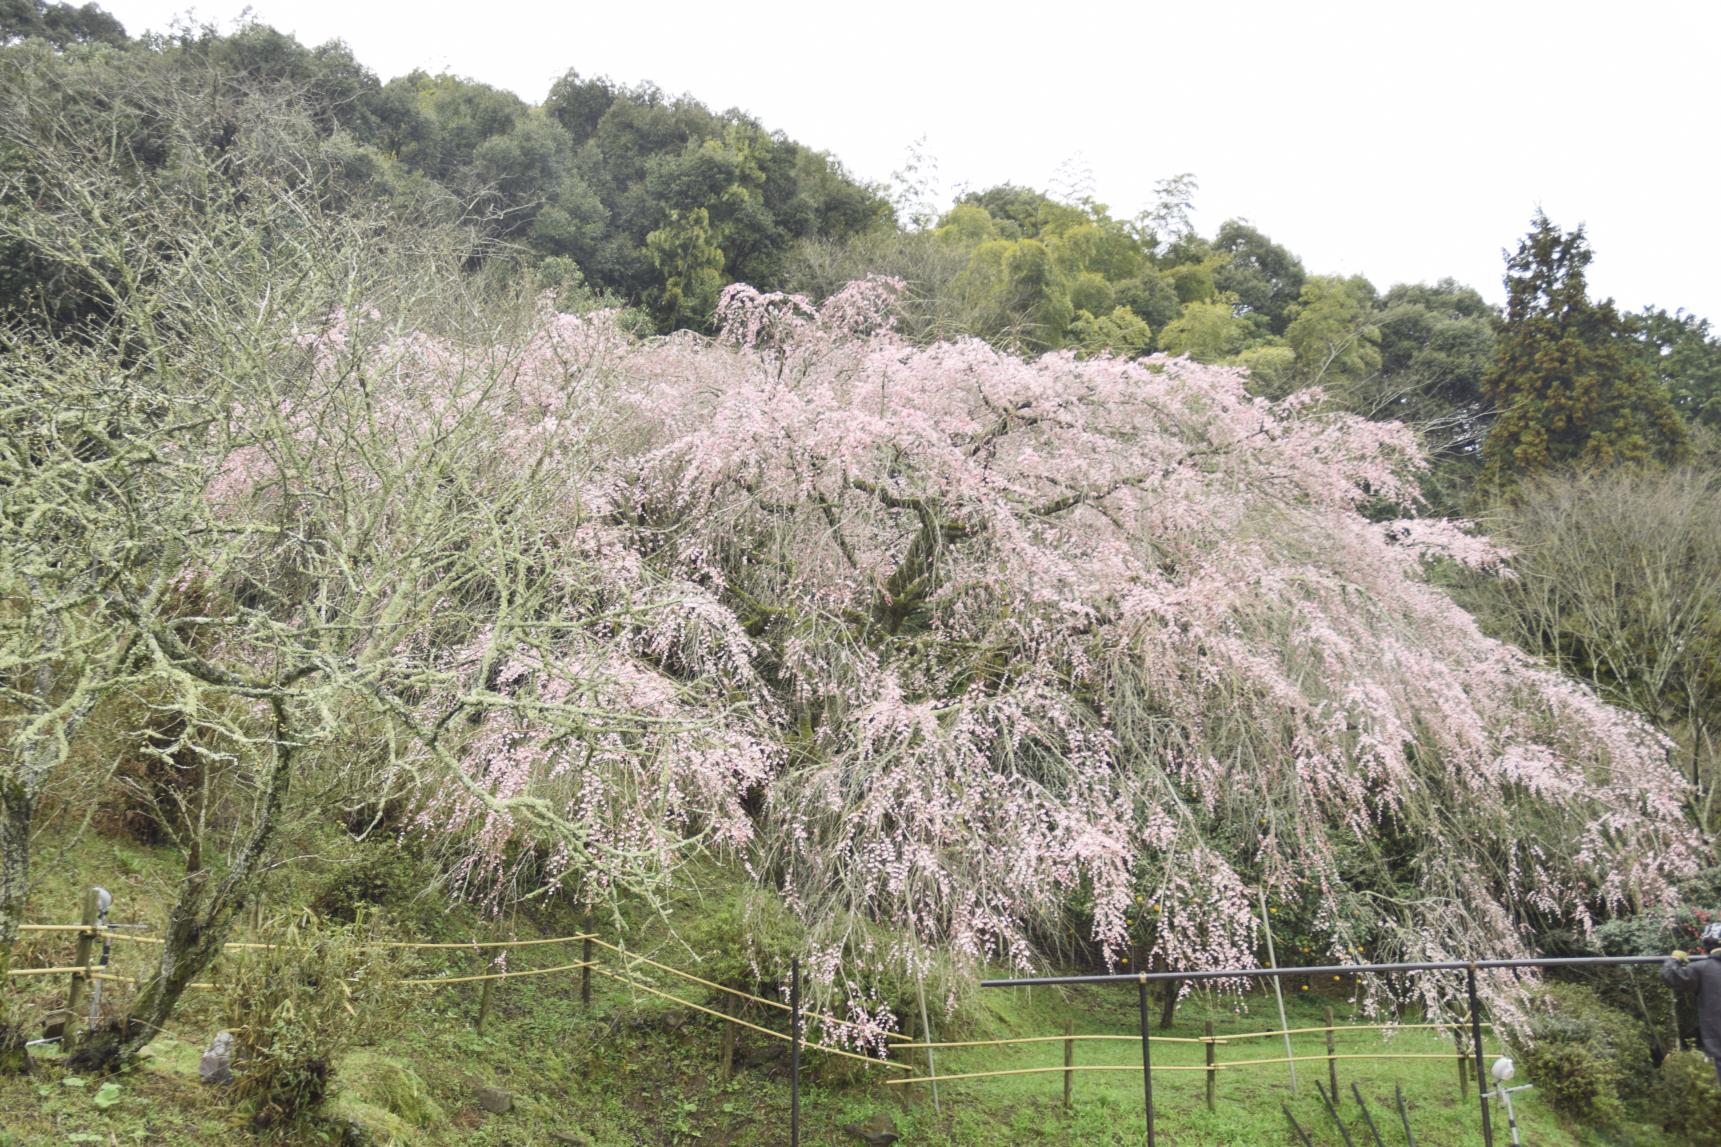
1133 1068
1336 1029
1321 1058
492 943
92 973
470 945
637 958
822 1017
1058 1039
633 983
496 975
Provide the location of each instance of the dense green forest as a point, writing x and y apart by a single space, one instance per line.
614 509
657 202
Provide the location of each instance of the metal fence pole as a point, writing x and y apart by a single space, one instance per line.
1146 1056
795 1051
1332 1062
586 972
1403 1115
1481 1071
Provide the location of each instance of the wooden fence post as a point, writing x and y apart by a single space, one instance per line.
726 1066
1069 1059
80 978
1463 1071
484 1005
1212 1066
1332 1062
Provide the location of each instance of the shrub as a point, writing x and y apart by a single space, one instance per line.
1582 1055
1685 1096
378 879
295 1008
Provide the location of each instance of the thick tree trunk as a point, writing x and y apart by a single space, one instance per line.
17 807
203 916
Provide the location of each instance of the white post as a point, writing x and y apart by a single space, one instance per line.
1279 992
926 1037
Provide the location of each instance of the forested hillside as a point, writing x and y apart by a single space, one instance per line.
569 498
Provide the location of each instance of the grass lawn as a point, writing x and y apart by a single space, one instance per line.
635 1069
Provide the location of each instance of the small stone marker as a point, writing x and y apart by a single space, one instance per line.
575 1138
878 1131
216 1066
494 1100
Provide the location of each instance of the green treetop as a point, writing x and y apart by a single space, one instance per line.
1569 387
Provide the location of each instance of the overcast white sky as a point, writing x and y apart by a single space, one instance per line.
1403 140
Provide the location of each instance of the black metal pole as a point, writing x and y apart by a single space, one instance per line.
1403 1115
795 1052
1366 1117
1476 1042
1146 1057
1326 1100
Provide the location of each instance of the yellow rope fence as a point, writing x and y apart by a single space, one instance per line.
134 938
825 1048
1211 1067
1058 1039
97 972
898 1042
94 972
635 957
1130 1067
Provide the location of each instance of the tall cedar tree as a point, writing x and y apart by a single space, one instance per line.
1567 386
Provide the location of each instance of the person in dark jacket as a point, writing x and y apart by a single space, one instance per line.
1704 979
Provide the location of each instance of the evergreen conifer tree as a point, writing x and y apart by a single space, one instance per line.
1568 389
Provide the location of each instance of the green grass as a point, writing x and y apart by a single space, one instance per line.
634 1069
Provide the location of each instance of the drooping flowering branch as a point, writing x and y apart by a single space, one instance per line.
1048 629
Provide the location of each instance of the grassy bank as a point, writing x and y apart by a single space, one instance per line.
635 1069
